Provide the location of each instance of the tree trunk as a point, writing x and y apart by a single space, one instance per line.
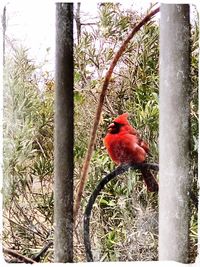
64 134
174 132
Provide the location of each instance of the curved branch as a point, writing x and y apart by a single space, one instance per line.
90 149
119 170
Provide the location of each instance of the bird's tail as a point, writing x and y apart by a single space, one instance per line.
150 180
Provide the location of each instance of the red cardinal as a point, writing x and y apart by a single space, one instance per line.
125 146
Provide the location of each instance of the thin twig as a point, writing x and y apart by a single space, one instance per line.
119 170
90 149
37 257
17 255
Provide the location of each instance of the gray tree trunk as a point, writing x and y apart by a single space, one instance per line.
63 188
174 140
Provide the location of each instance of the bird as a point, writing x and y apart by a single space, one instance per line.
125 146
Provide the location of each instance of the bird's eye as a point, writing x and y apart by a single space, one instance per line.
114 127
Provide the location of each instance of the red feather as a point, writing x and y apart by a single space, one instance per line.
125 146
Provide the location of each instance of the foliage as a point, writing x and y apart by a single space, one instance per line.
28 156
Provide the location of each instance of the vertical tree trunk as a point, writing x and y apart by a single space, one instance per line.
174 132
64 165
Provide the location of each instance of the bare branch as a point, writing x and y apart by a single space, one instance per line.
43 251
17 255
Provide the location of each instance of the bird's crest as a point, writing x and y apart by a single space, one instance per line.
122 119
